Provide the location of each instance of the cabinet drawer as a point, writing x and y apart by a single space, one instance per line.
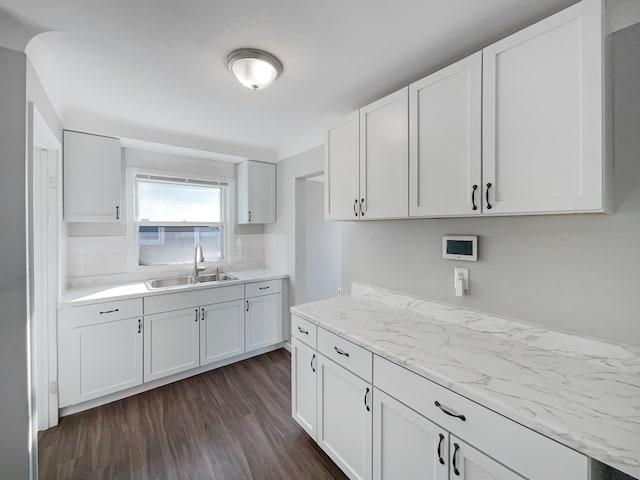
168 302
262 288
85 315
505 440
343 352
304 331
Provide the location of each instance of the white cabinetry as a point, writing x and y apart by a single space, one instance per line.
92 178
344 418
384 154
171 343
445 116
263 315
342 169
543 107
100 350
366 162
471 464
256 192
221 331
405 444
304 361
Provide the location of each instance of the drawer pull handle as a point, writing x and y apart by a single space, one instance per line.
139 325
440 459
366 394
264 288
301 330
247 305
454 458
473 197
361 209
341 352
197 314
355 203
110 311
312 359
450 412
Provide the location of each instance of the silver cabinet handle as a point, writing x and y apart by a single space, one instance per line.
449 411
110 311
301 330
340 351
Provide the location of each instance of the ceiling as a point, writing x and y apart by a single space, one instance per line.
160 63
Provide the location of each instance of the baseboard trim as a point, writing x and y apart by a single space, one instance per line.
96 402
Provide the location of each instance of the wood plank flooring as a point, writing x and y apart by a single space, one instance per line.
231 423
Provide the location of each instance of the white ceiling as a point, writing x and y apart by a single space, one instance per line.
160 63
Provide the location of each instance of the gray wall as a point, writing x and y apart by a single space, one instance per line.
572 272
321 243
14 414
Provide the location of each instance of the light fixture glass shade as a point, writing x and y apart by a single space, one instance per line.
255 69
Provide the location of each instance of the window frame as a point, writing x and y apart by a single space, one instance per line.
227 223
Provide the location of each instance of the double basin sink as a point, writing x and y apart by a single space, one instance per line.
188 280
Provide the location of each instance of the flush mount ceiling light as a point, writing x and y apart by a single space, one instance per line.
253 68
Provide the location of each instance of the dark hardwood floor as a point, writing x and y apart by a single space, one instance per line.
231 423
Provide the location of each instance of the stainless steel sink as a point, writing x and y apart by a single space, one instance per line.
186 280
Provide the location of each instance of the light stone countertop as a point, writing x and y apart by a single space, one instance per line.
107 293
581 392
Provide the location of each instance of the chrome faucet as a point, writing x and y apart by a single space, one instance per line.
198 257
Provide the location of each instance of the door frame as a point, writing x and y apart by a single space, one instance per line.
45 219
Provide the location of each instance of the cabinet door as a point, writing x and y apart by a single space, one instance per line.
171 343
256 192
221 331
384 157
344 418
303 386
341 168
263 321
445 133
405 444
543 116
99 359
92 178
471 464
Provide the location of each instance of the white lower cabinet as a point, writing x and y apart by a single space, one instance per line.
378 420
221 331
99 359
405 444
471 464
304 361
171 343
263 321
344 418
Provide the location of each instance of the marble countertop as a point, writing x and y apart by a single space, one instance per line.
106 293
581 392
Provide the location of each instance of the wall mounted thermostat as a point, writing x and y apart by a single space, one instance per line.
460 247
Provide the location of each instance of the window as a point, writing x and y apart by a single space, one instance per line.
173 215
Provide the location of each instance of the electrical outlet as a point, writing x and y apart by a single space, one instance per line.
339 292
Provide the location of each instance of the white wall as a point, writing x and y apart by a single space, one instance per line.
570 272
14 394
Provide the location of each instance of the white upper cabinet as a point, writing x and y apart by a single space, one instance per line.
92 178
256 192
445 118
384 155
543 141
342 169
